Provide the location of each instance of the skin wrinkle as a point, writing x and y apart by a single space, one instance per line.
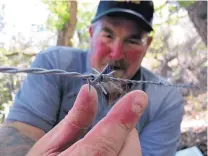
73 124
56 149
101 147
135 100
90 150
88 101
107 142
105 145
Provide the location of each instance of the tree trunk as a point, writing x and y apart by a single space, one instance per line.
65 35
198 15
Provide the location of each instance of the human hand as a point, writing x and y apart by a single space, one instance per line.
108 137
132 145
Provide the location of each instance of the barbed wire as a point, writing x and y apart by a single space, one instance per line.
12 70
92 79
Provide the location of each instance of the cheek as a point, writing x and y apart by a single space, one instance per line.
100 49
134 56
99 53
134 59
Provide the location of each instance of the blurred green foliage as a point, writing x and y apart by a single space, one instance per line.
186 4
10 83
59 14
84 17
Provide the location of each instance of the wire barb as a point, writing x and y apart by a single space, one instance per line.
99 78
92 79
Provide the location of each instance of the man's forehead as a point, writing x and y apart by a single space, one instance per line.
120 21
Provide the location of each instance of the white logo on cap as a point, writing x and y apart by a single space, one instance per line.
134 1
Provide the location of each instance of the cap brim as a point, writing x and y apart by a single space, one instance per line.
131 14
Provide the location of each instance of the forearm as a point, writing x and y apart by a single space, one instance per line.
12 142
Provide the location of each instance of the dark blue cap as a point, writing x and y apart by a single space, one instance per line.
137 10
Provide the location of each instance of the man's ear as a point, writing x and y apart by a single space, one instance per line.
149 41
91 31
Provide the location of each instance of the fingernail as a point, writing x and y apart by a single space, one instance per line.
135 106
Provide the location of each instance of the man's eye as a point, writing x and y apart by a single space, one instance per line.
133 41
108 36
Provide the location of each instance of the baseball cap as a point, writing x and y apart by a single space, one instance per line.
137 10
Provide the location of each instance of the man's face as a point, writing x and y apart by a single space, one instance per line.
120 43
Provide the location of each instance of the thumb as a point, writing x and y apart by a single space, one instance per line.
132 145
71 127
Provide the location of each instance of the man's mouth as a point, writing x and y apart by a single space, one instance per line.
118 67
112 68
118 71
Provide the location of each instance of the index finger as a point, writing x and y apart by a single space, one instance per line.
70 128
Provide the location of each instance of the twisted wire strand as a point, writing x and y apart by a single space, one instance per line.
151 82
12 70
91 78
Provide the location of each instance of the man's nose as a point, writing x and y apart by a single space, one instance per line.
117 51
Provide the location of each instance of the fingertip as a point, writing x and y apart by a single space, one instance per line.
142 96
89 89
87 95
140 101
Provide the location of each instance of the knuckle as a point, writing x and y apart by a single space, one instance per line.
125 126
93 150
106 146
